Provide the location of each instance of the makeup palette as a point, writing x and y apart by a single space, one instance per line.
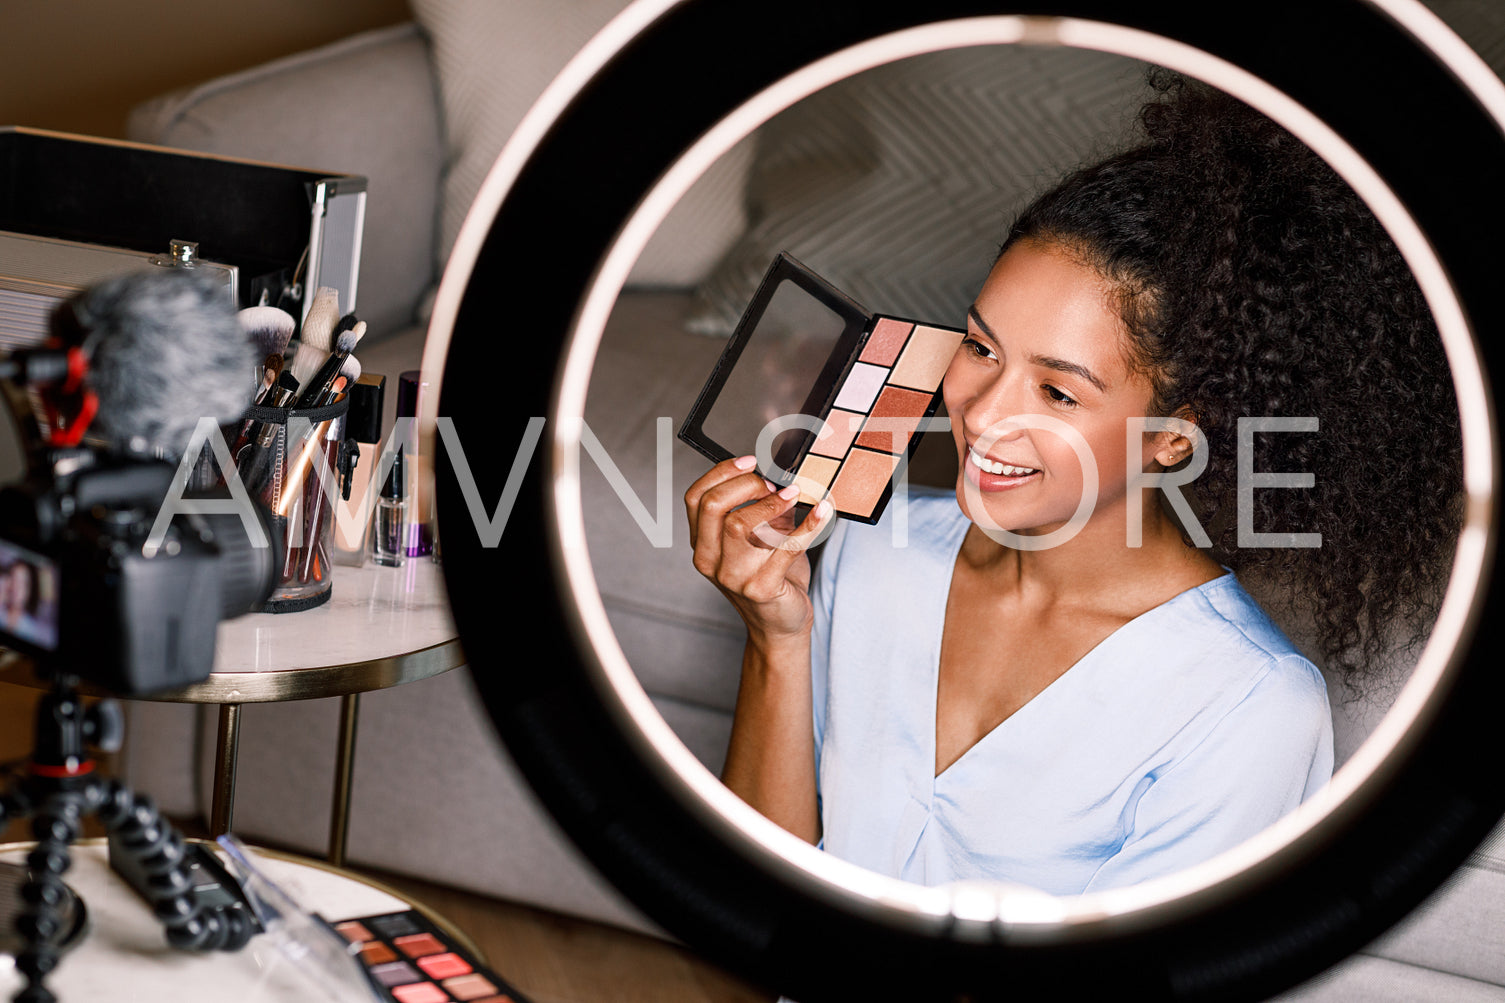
412 961
845 390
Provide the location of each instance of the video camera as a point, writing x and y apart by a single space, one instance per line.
86 585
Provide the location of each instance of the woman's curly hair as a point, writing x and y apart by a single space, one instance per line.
1254 282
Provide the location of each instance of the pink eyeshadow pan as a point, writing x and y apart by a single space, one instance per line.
353 932
442 966
836 438
420 992
862 480
906 405
469 987
884 343
861 387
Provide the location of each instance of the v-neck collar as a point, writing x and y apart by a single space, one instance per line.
1051 693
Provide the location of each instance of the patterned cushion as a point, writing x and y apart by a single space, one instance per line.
898 184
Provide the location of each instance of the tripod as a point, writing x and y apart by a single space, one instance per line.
58 790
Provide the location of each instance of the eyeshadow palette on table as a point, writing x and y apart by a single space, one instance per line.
852 388
412 961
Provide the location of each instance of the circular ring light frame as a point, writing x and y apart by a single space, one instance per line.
1380 88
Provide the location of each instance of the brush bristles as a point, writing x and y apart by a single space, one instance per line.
269 328
323 315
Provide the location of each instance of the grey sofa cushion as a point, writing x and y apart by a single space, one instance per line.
364 105
898 184
678 632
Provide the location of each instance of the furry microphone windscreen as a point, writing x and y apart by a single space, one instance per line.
167 350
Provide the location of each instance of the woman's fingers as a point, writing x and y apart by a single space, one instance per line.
719 474
786 551
711 501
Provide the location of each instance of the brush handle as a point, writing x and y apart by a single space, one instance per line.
314 497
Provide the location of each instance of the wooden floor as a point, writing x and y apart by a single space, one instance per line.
551 958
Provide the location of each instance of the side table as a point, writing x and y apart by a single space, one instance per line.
125 946
381 627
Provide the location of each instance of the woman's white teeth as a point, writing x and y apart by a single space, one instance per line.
998 467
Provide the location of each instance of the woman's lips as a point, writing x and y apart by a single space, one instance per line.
980 470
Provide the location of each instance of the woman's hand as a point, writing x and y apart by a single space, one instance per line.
746 543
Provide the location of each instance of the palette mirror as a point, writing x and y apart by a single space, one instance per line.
660 648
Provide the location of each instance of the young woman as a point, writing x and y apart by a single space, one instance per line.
1078 706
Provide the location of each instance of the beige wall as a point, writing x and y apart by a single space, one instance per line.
79 65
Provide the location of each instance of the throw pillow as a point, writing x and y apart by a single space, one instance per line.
898 184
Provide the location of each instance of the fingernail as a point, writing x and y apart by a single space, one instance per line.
770 485
823 509
745 462
792 491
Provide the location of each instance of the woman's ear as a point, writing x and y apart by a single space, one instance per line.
1176 445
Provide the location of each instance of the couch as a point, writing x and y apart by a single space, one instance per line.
421 108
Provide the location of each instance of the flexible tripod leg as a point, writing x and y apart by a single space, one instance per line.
158 849
55 826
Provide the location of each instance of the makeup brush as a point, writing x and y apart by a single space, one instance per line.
317 337
269 329
316 391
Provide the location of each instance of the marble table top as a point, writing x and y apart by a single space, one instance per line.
381 627
125 956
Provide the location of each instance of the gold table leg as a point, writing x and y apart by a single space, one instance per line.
226 747
344 771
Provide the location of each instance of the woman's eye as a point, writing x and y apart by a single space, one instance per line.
977 348
1058 396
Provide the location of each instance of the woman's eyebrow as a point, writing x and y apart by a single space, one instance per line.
1046 361
976 318
1062 366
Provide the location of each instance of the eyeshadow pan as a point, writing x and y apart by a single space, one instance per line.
836 438
419 944
892 436
925 358
395 974
420 992
814 478
395 925
353 932
469 987
863 477
883 344
375 953
861 387
442 966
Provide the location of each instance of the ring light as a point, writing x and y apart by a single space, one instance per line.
1382 90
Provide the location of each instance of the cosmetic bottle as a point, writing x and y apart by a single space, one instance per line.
420 466
364 425
389 520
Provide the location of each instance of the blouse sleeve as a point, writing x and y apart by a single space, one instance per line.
1270 752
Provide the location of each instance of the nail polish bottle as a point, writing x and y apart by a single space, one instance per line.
389 520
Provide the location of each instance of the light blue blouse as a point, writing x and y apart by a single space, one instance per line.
1187 730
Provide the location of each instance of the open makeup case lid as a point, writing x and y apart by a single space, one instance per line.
828 396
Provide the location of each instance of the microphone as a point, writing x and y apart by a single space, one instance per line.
165 348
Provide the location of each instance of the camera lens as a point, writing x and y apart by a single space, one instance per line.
248 571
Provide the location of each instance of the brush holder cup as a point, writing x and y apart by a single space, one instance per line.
297 463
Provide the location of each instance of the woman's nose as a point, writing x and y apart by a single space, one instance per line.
992 406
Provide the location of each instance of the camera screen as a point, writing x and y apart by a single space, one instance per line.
28 596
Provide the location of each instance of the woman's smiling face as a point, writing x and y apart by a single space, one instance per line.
1044 340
